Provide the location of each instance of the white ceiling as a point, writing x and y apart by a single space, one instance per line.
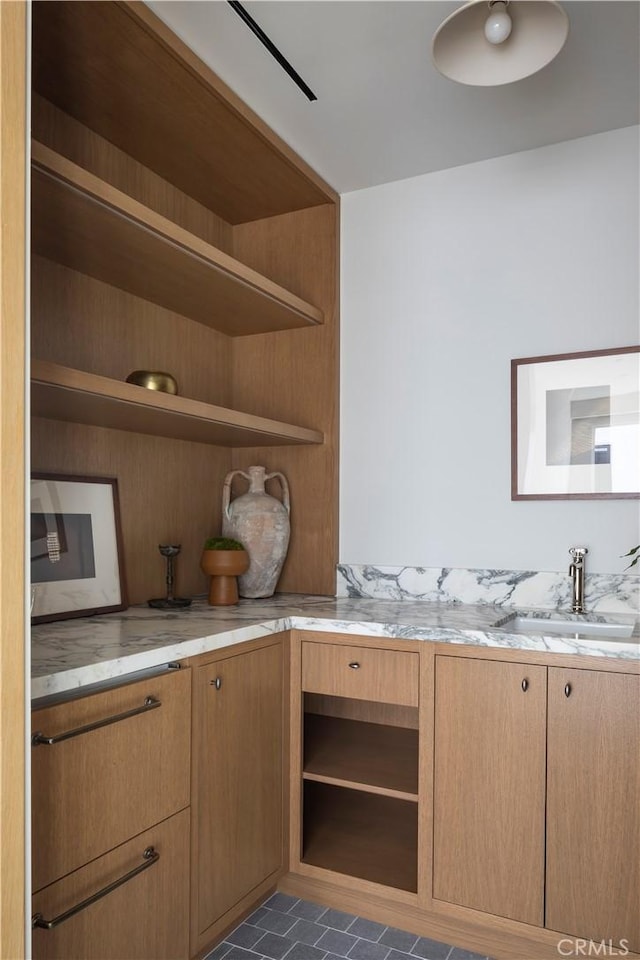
383 111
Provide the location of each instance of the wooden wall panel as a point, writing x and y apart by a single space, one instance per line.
13 140
72 139
80 322
293 375
169 493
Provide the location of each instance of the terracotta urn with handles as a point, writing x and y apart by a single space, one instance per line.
261 523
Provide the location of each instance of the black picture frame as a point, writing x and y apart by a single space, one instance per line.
77 566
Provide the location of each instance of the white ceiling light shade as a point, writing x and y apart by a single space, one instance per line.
486 44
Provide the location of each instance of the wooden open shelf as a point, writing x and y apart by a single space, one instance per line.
361 835
61 393
371 757
86 224
119 70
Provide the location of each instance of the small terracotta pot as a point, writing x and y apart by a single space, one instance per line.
223 566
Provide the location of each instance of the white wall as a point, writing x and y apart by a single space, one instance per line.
446 278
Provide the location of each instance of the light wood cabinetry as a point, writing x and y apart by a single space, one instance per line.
467 798
521 774
355 763
536 813
593 806
144 917
238 805
107 768
373 757
173 230
362 673
489 786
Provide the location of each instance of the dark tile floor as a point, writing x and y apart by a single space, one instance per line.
285 928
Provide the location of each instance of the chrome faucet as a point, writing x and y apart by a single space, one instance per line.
576 572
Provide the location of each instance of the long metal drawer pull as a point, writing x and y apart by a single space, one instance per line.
150 703
150 856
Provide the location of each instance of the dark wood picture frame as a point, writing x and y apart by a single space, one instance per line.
541 421
94 531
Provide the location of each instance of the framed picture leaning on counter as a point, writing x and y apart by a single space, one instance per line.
76 547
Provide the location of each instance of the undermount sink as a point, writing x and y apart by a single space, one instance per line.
522 623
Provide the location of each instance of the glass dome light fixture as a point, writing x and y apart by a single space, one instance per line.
484 44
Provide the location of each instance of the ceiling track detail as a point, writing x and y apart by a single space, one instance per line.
271 47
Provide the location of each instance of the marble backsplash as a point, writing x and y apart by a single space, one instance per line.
604 593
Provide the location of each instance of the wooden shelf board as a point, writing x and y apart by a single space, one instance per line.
60 393
119 70
361 835
364 787
86 224
368 756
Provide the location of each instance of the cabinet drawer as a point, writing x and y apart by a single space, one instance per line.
147 916
93 791
361 673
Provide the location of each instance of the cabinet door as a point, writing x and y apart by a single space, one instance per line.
238 780
489 785
145 916
593 806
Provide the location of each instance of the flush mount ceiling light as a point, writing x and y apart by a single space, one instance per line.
486 44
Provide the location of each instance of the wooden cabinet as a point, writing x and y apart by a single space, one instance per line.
489 777
110 780
593 806
536 786
356 757
172 230
238 836
362 673
143 917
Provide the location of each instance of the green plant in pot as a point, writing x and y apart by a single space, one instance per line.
223 559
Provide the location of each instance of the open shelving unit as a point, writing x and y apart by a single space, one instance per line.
173 230
86 224
74 396
360 806
118 69
371 757
361 834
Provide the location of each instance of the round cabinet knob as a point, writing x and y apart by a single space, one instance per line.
217 683
354 665
525 685
567 689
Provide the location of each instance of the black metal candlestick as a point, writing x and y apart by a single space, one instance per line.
169 551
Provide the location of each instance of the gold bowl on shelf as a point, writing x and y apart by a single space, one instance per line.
154 380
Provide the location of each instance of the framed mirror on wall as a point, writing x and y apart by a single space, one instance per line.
575 426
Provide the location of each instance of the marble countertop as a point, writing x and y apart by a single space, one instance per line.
70 654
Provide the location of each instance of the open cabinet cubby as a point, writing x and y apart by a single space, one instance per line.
360 787
370 757
361 834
